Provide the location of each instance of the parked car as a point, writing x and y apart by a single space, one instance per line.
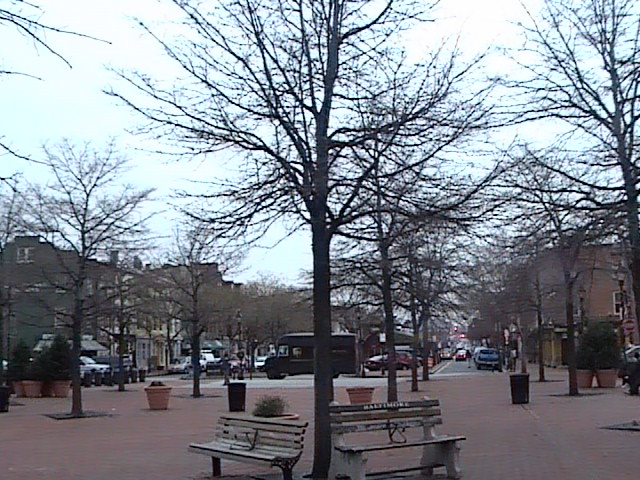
461 355
114 362
180 365
488 358
88 364
259 362
404 361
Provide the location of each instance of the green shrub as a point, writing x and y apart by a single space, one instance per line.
58 359
20 362
270 406
599 347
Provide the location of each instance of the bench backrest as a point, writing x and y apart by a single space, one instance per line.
384 416
250 432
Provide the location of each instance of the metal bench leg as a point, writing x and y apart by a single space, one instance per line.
286 465
217 469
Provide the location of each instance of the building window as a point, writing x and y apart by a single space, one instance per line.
25 255
618 297
59 321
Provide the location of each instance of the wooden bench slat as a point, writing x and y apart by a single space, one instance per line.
383 415
264 426
367 407
264 421
287 451
390 446
283 443
257 455
241 430
239 448
372 427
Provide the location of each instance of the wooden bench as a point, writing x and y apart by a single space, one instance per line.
377 427
256 440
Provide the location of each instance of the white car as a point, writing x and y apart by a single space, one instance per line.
180 365
88 364
259 362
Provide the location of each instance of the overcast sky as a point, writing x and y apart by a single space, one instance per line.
68 102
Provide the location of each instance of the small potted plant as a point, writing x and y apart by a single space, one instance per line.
273 406
158 395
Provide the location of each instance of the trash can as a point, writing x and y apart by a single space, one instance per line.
237 392
87 379
4 398
107 378
142 374
519 388
134 375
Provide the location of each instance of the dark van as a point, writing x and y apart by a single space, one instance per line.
294 355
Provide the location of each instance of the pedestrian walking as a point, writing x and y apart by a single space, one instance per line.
469 358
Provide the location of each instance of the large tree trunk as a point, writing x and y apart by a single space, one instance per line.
390 331
195 359
540 342
121 349
76 337
322 365
571 347
426 345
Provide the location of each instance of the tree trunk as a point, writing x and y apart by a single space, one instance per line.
76 336
121 348
426 346
415 344
195 359
571 348
540 342
322 366
390 331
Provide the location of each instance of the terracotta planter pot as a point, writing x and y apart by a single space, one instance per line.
158 397
360 395
47 389
32 388
18 388
61 388
607 378
585 378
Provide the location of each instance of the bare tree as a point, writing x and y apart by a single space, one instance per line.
84 213
25 18
285 83
567 216
583 65
10 212
192 275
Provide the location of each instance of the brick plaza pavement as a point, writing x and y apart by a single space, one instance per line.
552 437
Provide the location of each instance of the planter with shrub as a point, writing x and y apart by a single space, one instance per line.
59 366
18 365
158 395
598 355
273 406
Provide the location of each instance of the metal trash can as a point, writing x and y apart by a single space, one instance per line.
519 388
4 398
97 378
237 393
142 374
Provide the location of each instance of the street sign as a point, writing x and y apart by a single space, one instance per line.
629 326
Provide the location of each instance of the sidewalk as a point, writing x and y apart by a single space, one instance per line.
552 437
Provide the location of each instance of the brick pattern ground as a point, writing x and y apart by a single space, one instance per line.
552 437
